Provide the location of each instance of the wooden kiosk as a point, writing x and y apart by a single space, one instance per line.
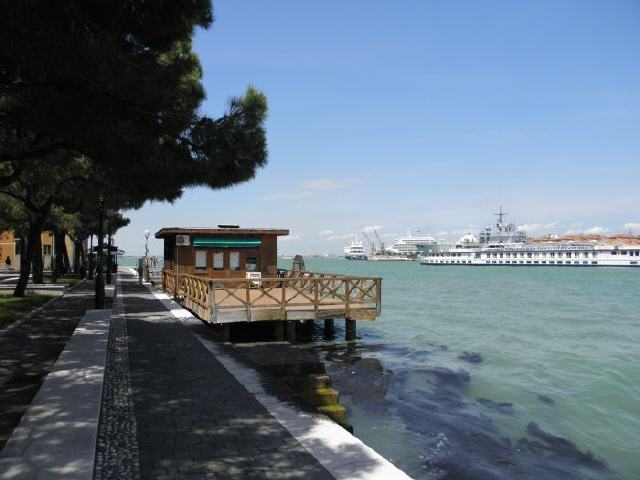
229 274
224 252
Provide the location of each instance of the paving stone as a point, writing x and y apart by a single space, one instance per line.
184 397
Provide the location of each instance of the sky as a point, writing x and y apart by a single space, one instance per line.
423 116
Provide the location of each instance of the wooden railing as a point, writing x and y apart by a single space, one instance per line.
293 294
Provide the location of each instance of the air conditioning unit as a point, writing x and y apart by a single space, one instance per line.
255 276
182 240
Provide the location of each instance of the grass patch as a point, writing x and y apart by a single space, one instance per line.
68 281
13 308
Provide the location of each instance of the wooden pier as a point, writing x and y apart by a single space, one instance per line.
229 275
292 295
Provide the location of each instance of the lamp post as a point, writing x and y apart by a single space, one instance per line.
99 277
109 265
146 253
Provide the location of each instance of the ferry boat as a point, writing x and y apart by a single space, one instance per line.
355 251
506 245
411 245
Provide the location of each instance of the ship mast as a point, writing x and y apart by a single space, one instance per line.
500 215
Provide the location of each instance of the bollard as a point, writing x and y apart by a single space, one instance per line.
328 326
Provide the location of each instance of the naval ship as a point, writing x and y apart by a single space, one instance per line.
506 245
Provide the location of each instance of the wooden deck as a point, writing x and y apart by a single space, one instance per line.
290 296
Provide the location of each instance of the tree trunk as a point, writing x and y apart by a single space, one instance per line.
78 255
29 244
37 263
60 254
65 254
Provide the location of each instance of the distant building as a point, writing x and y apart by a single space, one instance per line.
11 249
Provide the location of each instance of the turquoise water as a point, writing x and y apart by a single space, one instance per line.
552 370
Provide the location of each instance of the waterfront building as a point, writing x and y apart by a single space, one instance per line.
11 249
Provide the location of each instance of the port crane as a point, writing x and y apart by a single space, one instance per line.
382 249
372 245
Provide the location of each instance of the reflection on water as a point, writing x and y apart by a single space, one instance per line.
417 410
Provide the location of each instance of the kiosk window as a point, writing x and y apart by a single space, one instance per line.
218 260
234 261
201 259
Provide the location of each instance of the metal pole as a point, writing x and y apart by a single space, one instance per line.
91 262
145 268
177 287
109 248
99 304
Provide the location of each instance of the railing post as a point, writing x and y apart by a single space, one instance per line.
316 305
212 302
283 305
248 299
347 294
378 295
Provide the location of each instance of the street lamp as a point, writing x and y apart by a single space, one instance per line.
146 251
99 278
109 263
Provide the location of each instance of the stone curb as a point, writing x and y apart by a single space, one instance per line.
56 437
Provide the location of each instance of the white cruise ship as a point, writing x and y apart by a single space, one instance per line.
505 245
355 251
410 245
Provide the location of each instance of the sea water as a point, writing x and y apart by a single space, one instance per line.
495 372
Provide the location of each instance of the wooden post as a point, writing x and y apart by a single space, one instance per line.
248 299
316 303
351 329
283 304
290 331
328 326
278 330
347 295
225 332
212 302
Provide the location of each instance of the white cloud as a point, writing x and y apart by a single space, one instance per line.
393 235
371 228
538 227
320 184
340 237
286 196
633 226
595 230
309 187
324 233
289 238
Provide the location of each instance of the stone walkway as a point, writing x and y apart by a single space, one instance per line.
194 419
29 350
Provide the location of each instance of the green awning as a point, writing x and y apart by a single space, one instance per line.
225 242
